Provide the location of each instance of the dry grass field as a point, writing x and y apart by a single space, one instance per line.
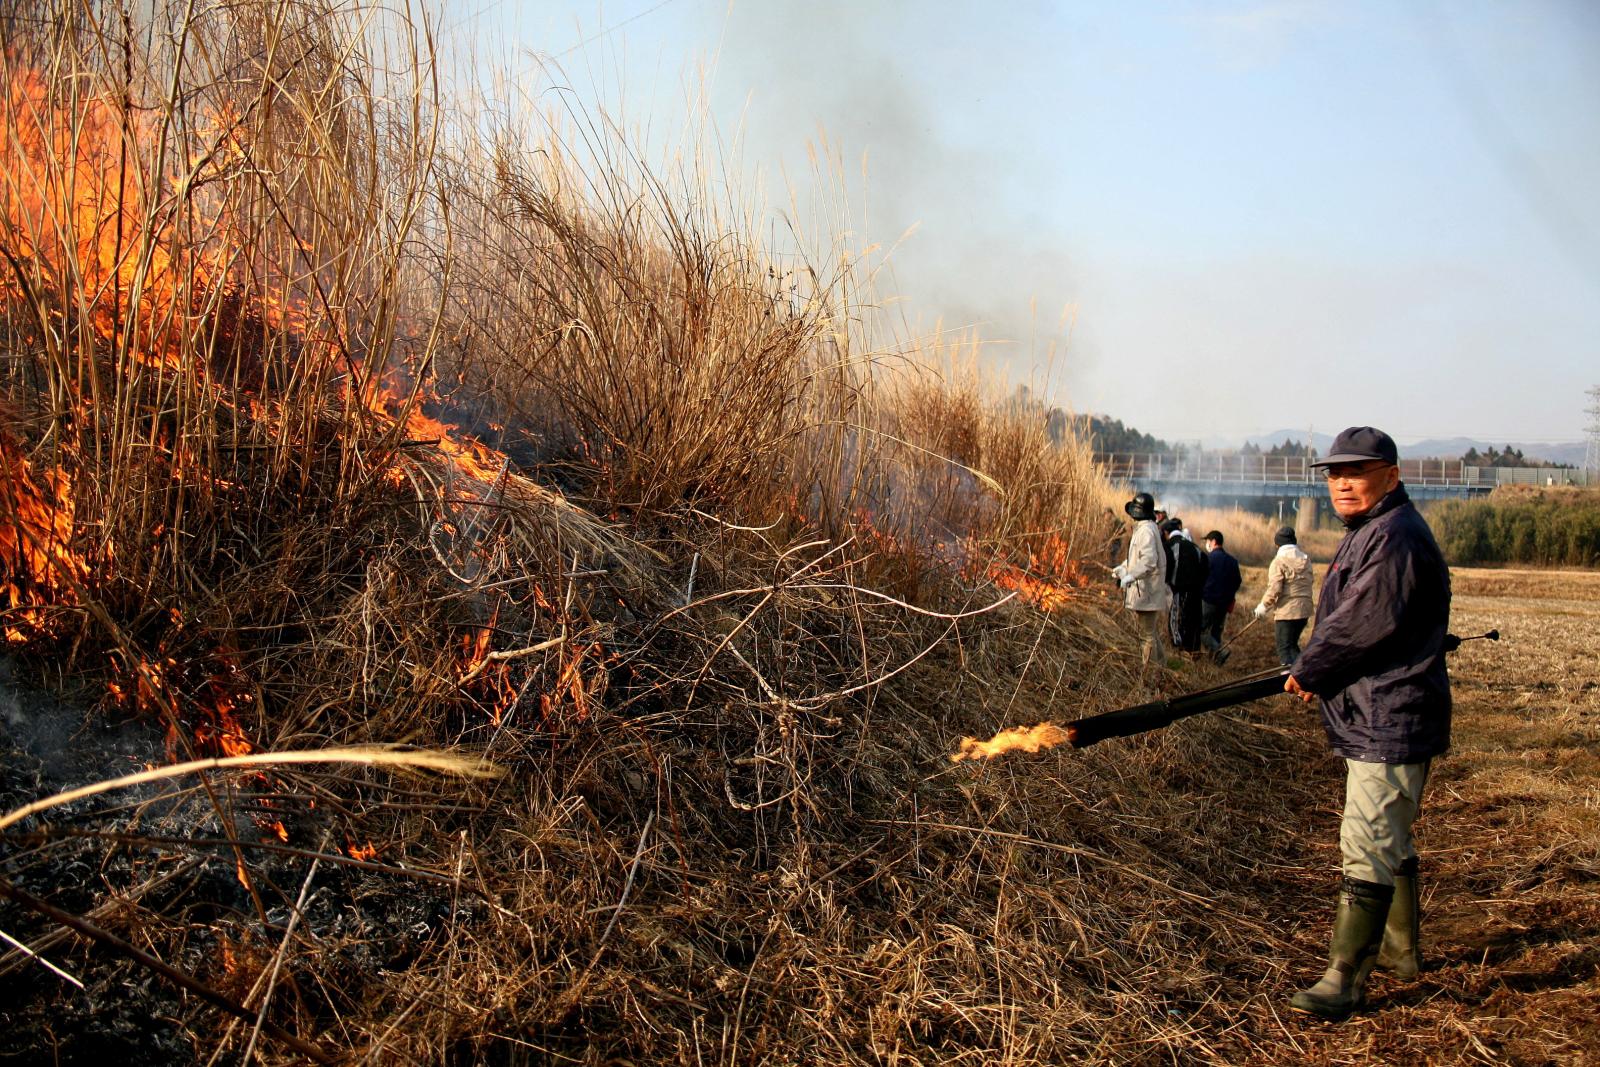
1249 536
1510 840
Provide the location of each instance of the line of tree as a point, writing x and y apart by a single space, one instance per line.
1111 435
1104 433
1289 449
1108 434
1510 457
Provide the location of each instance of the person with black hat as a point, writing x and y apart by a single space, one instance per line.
1143 575
1288 594
1375 661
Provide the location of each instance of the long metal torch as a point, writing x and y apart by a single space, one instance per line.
1142 718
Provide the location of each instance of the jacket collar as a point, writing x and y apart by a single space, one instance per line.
1394 498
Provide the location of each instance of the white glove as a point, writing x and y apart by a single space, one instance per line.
1118 571
1261 611
1127 580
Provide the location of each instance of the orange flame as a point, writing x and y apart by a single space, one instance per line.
1041 594
219 731
578 689
37 567
1018 738
485 677
86 218
368 851
475 648
1049 581
471 457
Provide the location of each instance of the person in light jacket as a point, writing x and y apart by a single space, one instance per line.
1143 575
1288 595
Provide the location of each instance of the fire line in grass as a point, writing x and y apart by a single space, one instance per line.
1017 739
150 259
1050 579
37 567
148 242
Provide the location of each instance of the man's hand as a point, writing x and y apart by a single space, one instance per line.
1261 611
1127 580
1293 688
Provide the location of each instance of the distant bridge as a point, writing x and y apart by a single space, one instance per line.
1257 481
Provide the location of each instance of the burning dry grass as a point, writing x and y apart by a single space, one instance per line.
603 502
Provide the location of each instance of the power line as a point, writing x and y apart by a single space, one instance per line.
1591 459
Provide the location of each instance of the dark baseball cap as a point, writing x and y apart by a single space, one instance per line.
1360 444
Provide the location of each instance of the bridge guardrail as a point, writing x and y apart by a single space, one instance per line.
1220 467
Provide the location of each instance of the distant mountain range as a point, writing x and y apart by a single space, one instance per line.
1442 447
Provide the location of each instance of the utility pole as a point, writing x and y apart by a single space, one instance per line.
1591 458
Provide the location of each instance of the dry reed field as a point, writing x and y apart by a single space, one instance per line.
1249 536
464 601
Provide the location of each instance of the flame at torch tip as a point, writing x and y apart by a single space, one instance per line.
1026 738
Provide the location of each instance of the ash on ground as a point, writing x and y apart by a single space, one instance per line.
151 865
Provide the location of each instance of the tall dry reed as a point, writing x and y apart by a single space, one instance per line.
1248 535
352 422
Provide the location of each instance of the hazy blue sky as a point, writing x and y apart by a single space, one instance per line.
1260 214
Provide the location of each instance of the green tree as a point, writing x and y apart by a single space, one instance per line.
1291 449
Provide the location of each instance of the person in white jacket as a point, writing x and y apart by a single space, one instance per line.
1143 575
1288 594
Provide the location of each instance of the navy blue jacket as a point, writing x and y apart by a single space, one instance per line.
1222 578
1376 654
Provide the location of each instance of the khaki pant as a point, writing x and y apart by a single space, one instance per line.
1150 623
1381 801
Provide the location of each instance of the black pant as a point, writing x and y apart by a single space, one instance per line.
1184 618
1212 618
1286 633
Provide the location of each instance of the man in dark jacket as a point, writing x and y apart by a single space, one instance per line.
1186 577
1376 662
1216 596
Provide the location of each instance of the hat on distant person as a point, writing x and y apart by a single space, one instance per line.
1360 444
1141 507
1284 536
1172 525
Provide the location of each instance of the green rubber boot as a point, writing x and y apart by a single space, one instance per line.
1399 955
1357 932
